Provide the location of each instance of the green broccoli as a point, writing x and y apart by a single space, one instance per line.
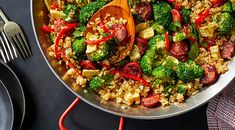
227 7
174 26
182 89
161 13
158 28
158 41
179 37
147 60
186 14
225 23
79 46
87 11
189 71
164 73
79 31
95 83
100 54
68 9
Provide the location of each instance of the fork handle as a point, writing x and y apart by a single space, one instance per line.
4 17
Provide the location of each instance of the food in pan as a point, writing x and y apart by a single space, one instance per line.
180 46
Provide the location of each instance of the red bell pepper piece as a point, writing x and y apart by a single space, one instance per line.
133 77
217 2
101 24
59 36
201 17
167 41
47 29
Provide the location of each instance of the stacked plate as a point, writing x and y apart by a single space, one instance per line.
12 101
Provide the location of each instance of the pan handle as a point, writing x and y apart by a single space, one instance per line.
69 109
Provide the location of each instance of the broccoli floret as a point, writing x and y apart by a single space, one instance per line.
158 41
158 28
186 14
227 7
68 9
189 71
225 22
96 82
147 60
79 31
164 73
182 88
100 54
87 11
179 37
161 13
79 46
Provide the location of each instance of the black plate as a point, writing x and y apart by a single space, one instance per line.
13 85
6 109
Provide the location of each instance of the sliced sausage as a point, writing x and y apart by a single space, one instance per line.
145 10
88 64
133 68
151 100
228 50
142 44
176 17
210 74
179 50
120 32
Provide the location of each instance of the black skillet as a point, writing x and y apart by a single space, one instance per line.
13 85
6 109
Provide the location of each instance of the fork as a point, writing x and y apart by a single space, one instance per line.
16 37
6 48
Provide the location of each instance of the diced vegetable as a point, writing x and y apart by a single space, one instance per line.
141 26
215 52
146 33
179 37
90 73
135 53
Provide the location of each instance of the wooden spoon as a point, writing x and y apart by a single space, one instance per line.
117 9
48 4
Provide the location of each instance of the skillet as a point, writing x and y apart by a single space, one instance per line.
39 18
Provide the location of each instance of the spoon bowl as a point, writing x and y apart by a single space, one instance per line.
117 9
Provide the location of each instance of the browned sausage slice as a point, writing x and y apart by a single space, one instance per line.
145 10
142 44
179 50
210 74
151 100
120 32
228 50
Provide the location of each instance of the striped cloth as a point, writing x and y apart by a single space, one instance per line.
221 110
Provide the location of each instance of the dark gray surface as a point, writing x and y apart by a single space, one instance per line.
47 98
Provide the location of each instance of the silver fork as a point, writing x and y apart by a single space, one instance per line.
7 49
16 37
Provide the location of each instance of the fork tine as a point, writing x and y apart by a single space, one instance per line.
2 54
17 45
23 45
4 48
8 45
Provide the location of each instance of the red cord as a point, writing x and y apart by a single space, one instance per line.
61 121
121 123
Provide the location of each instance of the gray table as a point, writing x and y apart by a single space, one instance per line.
47 98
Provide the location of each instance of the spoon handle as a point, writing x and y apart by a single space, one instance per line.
4 17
